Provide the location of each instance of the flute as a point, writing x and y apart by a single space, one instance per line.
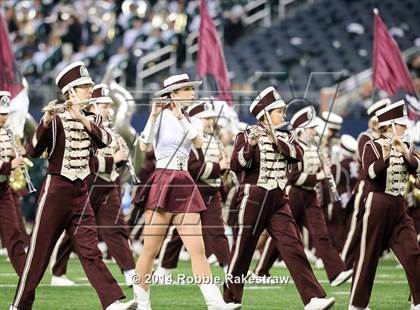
62 106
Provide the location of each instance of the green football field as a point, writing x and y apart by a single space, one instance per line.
390 290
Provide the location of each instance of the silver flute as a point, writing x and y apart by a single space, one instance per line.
28 180
63 106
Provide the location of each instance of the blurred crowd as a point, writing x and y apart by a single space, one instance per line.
49 34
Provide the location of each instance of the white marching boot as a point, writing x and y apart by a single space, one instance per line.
351 307
162 276
342 278
142 298
61 281
119 305
128 276
320 303
214 299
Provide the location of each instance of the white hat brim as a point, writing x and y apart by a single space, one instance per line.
80 81
4 110
173 87
100 100
206 114
274 105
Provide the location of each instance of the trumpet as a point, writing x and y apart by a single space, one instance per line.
123 146
53 107
332 188
24 170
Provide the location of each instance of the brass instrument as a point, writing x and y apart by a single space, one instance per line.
16 180
123 146
52 107
332 188
412 191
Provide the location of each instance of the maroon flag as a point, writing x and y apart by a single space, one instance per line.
389 69
10 78
211 59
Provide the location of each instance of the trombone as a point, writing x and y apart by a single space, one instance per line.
24 169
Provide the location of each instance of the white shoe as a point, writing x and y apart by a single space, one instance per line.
128 275
137 247
61 281
214 299
119 305
142 298
351 307
319 264
310 256
212 259
162 276
342 278
320 303
103 248
184 256
415 307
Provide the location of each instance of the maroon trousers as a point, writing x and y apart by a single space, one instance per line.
105 200
64 205
306 212
349 251
10 231
214 237
261 209
385 223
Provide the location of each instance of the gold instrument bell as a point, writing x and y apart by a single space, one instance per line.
17 180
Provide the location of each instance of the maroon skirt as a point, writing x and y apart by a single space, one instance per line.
172 190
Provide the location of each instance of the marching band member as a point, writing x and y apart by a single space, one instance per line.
10 231
352 241
264 156
344 171
170 193
206 170
387 163
304 202
67 136
331 151
105 197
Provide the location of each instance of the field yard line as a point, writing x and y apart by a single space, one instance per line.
8 274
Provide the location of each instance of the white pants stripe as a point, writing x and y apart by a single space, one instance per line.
362 246
353 223
32 245
241 227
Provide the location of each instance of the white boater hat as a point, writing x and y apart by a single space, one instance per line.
73 75
304 118
4 102
269 99
348 145
334 121
101 94
377 106
393 113
175 82
203 109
